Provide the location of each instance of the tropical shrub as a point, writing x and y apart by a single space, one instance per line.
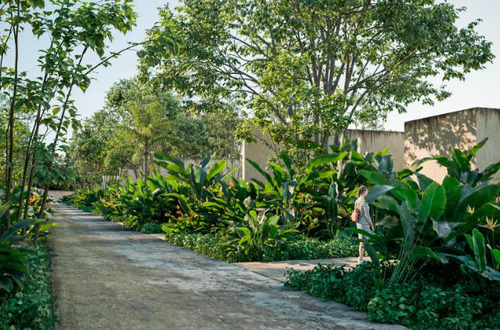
30 306
87 197
354 287
424 305
257 232
13 256
303 248
417 304
427 222
151 228
459 165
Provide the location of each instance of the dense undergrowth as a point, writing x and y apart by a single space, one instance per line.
30 306
424 303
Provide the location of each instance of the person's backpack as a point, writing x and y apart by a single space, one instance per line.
355 215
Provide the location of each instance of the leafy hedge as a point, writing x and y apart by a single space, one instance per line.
32 306
302 249
417 304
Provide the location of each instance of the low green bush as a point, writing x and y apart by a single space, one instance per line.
417 304
426 306
30 307
304 248
151 228
354 287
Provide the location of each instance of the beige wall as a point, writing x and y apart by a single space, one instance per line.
262 149
488 125
427 137
434 136
374 141
259 151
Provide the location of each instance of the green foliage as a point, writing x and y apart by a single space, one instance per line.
151 228
309 68
415 304
354 287
427 221
13 255
86 197
30 307
300 249
459 165
140 119
257 232
425 306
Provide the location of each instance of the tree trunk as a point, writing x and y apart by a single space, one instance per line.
10 154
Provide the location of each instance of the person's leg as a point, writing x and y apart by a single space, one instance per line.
361 252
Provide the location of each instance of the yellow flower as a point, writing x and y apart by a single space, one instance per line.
469 209
490 224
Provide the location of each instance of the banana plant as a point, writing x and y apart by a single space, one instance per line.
257 231
199 179
459 165
430 221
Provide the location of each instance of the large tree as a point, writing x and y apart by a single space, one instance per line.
309 68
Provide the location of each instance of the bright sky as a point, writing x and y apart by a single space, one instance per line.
480 89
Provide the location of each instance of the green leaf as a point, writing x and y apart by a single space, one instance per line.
374 177
433 203
479 249
476 197
406 194
260 170
422 251
377 191
324 159
496 254
216 169
443 228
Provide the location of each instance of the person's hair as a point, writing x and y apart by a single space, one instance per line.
361 190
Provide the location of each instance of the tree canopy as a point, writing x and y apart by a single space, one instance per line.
140 119
309 68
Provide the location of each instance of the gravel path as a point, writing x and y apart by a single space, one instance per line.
105 277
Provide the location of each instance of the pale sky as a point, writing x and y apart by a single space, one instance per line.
480 89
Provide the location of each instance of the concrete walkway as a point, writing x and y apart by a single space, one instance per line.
105 277
277 269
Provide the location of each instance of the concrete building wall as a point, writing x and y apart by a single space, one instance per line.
427 137
259 151
488 126
434 136
374 141
262 149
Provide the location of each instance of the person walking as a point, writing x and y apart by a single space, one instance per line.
364 221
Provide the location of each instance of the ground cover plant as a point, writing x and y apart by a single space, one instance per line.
30 306
423 303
